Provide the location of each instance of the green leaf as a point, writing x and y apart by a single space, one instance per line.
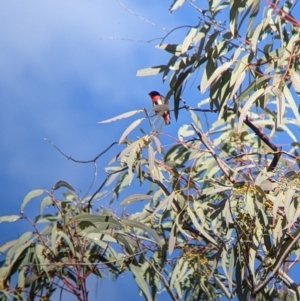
61 184
136 224
139 279
280 103
67 240
246 109
176 4
185 131
31 195
97 219
295 79
256 35
9 218
292 104
199 227
135 198
151 71
172 239
157 144
174 49
223 288
47 201
130 128
217 74
20 244
188 39
122 116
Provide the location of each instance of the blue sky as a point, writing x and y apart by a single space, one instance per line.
60 74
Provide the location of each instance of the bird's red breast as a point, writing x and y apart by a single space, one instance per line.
158 99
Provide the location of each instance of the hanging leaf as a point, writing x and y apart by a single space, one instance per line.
176 4
122 116
9 218
135 198
61 184
30 196
151 71
139 278
130 128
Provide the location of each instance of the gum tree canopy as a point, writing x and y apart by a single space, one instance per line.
217 207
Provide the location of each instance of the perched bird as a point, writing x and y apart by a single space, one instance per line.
158 99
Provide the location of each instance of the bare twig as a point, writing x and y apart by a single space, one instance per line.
84 162
140 17
130 40
80 161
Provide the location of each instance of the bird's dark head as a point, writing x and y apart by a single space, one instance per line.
153 93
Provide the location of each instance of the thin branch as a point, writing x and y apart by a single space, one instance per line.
197 109
141 18
80 161
178 27
130 40
260 134
267 141
84 161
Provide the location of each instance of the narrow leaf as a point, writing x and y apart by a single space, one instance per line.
188 39
136 224
247 107
295 78
130 128
172 240
60 184
280 105
47 201
218 72
122 116
67 240
176 4
291 102
238 83
199 227
151 71
9 218
135 198
151 158
31 195
223 288
139 279
157 144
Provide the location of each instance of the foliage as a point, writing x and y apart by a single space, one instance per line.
221 217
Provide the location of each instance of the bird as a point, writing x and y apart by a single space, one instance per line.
157 100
